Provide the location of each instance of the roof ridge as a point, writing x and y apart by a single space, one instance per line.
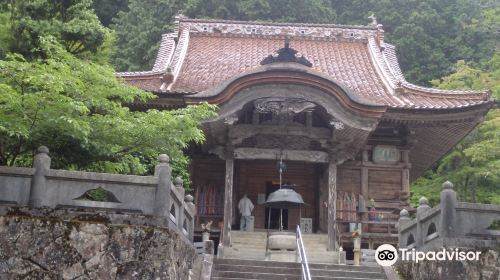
137 73
178 56
165 52
390 59
447 92
273 23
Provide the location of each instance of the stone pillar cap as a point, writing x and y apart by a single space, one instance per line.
447 185
404 213
43 150
189 198
178 181
423 201
163 158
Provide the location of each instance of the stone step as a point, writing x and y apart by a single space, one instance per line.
247 244
224 261
258 269
297 270
248 241
244 250
314 277
271 275
248 233
256 254
274 276
258 245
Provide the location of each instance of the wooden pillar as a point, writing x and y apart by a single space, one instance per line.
364 190
332 206
405 177
228 202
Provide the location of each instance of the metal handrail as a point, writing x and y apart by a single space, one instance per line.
306 274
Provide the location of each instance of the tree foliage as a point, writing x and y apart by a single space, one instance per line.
474 164
430 35
73 23
314 11
139 31
106 10
75 107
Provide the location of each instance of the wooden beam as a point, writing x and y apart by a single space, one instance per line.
242 131
332 206
272 154
228 202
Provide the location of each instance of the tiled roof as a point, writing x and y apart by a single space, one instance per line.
209 52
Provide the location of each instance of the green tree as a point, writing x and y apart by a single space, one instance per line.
106 10
73 23
6 37
138 32
76 108
474 164
311 11
430 35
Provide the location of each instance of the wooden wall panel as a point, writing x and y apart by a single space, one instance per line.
208 171
384 184
349 180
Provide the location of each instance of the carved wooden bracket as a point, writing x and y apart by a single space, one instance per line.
283 106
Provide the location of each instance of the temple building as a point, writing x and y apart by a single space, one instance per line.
329 101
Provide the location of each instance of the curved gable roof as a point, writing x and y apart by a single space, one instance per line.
202 54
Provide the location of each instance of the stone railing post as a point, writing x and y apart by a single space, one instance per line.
179 186
180 190
190 205
162 194
41 164
421 209
404 218
448 218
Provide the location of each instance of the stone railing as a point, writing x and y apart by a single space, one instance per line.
450 224
156 196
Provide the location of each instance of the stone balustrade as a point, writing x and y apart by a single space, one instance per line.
158 196
450 224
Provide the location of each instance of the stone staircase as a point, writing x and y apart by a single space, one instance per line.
252 246
234 269
246 259
315 245
247 245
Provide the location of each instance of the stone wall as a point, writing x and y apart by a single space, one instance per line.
487 268
70 243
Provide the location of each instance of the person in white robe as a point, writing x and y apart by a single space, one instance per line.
246 207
